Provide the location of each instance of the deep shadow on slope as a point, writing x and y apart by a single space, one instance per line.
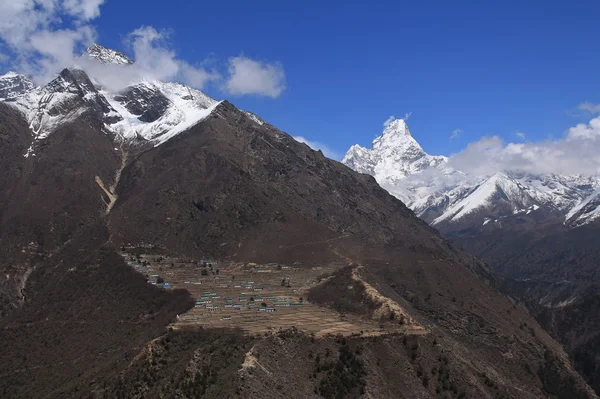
50 196
548 252
86 316
188 363
574 322
559 282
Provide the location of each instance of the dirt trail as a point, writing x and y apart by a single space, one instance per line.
388 306
250 362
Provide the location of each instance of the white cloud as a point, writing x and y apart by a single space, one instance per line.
197 76
154 60
247 76
575 153
152 54
589 131
47 50
455 134
407 115
589 107
41 37
315 145
520 135
389 120
83 9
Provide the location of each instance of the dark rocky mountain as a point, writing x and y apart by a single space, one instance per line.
147 102
553 270
77 321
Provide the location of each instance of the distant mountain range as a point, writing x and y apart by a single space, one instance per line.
453 200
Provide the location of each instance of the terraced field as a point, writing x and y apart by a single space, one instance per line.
256 298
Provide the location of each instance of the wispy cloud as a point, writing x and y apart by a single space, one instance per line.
520 135
315 145
83 9
392 118
456 134
389 120
589 107
248 76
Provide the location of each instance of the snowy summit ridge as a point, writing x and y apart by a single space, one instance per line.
105 55
442 195
394 156
148 111
13 85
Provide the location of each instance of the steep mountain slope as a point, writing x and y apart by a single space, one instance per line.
106 55
586 212
216 198
231 187
13 85
497 196
395 155
539 231
157 111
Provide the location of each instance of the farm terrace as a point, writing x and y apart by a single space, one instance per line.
254 297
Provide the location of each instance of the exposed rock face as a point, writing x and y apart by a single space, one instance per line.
107 56
585 212
13 85
147 102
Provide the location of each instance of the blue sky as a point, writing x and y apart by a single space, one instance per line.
483 68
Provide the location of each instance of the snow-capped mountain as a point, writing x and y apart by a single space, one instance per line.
157 111
148 111
394 156
499 195
61 100
444 196
13 85
585 212
401 166
106 55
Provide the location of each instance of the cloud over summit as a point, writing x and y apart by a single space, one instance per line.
575 153
41 37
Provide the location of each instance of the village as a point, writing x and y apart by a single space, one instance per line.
255 298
